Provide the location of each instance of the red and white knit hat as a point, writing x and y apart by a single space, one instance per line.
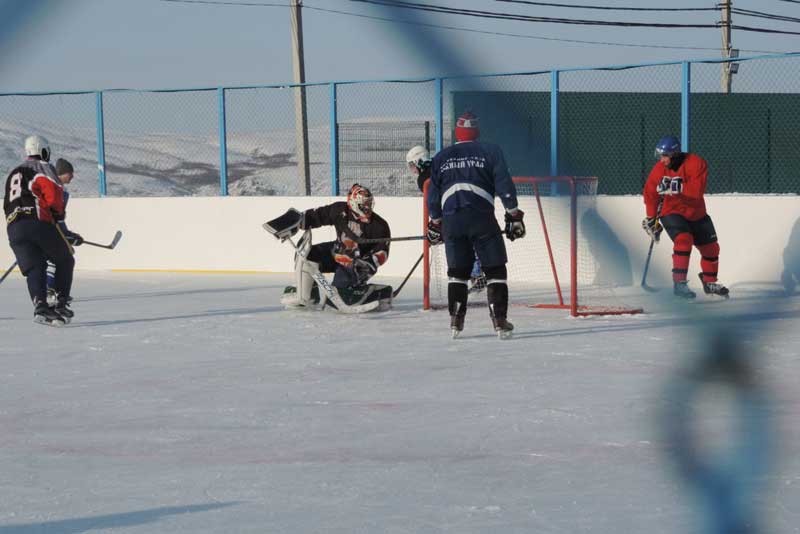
467 127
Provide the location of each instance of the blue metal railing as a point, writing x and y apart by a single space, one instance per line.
438 110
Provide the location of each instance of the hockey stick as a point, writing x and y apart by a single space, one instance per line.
414 268
653 240
110 246
5 275
69 245
386 239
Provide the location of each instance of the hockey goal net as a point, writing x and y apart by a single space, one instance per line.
558 264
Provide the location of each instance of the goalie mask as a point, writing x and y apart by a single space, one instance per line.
360 202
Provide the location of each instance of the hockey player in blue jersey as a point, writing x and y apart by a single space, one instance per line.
465 178
65 173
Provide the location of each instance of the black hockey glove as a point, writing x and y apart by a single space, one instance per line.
652 227
75 239
515 227
365 268
435 231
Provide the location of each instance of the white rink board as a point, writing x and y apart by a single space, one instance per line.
225 234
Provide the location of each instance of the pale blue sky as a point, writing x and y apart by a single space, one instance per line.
88 44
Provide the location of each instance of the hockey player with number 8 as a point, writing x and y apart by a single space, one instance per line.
33 205
678 182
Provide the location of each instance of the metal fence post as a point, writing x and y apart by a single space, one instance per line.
686 87
101 143
334 143
554 79
223 144
439 115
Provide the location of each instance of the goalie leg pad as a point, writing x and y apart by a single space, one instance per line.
303 294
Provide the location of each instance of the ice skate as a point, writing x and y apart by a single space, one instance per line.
714 288
502 327
681 290
44 314
456 325
62 309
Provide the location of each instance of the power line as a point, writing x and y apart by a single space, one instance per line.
524 18
611 8
221 3
763 15
463 29
525 36
763 30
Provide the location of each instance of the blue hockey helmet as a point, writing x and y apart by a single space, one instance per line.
668 146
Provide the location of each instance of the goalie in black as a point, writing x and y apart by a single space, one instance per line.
352 262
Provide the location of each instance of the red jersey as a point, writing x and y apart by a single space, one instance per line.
690 202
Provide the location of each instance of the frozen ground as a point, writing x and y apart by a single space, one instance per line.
195 404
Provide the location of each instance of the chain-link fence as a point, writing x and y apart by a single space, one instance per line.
244 141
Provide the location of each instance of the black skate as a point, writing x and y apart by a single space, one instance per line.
52 296
62 308
502 327
456 325
44 314
681 290
714 288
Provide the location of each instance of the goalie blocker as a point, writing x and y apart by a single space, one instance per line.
312 289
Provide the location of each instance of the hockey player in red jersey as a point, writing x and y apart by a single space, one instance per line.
33 205
676 186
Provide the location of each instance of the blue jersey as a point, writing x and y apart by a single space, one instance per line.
469 175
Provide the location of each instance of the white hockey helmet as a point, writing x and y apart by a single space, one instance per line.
36 145
419 157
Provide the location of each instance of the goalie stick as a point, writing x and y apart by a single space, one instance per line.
110 246
329 291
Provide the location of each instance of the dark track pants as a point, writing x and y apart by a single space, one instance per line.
34 242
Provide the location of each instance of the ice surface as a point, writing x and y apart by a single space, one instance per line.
195 404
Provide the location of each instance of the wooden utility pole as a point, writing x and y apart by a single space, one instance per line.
726 45
300 110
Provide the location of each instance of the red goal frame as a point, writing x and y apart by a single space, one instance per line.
574 183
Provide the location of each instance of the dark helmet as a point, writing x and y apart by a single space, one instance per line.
668 146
